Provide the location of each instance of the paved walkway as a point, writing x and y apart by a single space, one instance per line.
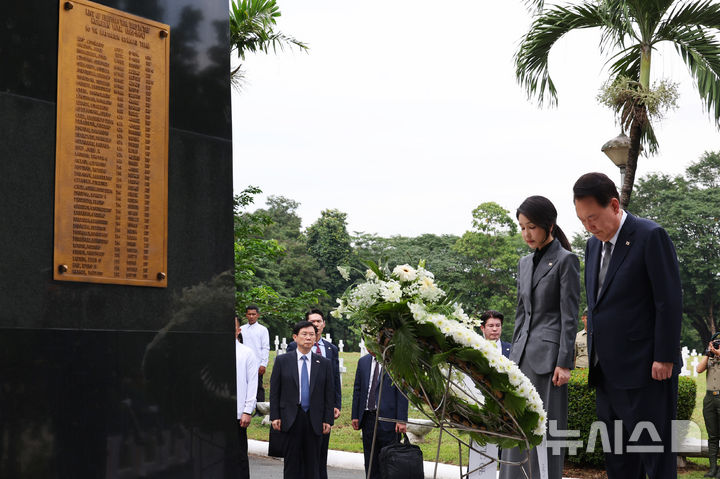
263 467
344 465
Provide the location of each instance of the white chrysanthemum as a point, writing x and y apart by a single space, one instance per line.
405 272
460 315
391 291
344 272
539 430
515 378
429 291
370 275
419 312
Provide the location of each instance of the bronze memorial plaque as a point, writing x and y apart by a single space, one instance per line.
112 147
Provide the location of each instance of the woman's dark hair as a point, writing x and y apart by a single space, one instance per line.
595 185
542 213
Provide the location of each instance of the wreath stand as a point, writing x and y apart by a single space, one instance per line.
451 427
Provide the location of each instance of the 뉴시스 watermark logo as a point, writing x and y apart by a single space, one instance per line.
644 438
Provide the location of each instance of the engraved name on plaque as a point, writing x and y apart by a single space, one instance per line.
112 143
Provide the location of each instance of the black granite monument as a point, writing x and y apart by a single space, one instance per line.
113 381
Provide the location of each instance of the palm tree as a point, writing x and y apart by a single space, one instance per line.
630 31
252 24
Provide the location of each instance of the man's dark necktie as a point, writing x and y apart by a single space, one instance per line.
607 248
372 394
304 386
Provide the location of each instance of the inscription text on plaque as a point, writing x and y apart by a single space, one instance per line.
112 146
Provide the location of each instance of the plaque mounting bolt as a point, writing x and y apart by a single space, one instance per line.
68 6
163 34
62 268
161 276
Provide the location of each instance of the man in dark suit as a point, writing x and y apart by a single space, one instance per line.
393 405
327 350
301 403
634 314
491 323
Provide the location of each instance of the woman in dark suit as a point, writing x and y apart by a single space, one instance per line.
545 324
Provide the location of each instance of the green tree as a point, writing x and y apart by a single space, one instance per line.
258 280
689 209
297 270
328 241
490 256
630 31
436 250
252 29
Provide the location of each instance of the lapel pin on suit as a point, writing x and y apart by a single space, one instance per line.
549 264
317 361
627 243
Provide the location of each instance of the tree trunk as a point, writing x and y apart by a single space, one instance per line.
639 117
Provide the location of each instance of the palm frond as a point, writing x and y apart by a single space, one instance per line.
252 24
619 27
626 63
647 15
701 53
648 139
534 5
688 16
531 59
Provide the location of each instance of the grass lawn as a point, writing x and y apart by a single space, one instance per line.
345 438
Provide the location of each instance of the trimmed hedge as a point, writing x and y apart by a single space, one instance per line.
581 413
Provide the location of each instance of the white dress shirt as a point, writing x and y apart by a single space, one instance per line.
257 338
613 240
299 366
246 367
323 351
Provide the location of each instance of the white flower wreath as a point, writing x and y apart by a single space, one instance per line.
406 317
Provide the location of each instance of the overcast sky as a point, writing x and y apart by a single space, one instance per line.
406 115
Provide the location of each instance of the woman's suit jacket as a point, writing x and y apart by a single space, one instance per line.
546 317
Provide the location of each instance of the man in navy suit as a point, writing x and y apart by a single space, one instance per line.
301 403
491 323
365 408
327 350
634 315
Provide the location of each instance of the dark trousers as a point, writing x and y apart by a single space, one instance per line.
260 390
711 414
302 449
244 464
655 403
383 439
324 445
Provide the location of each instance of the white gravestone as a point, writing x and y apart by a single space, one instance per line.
684 353
363 350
